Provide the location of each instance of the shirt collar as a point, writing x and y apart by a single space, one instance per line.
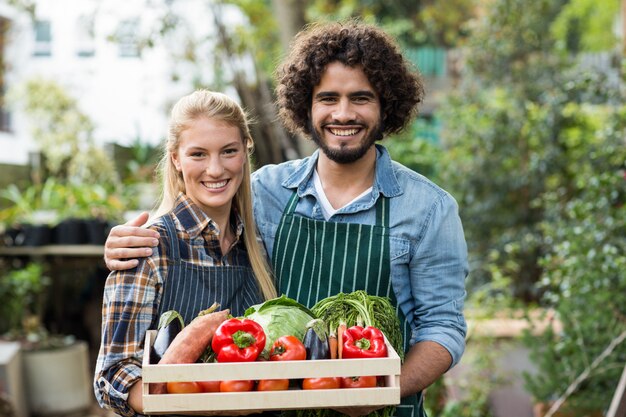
194 220
385 181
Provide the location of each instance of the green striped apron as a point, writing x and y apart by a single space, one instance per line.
315 259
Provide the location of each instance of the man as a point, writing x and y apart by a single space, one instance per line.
348 217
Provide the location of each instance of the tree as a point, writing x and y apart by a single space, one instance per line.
414 23
501 134
240 46
63 133
583 26
505 136
291 14
584 259
534 152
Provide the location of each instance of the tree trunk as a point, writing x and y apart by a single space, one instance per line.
290 15
272 143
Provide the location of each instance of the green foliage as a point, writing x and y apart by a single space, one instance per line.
509 47
88 201
584 262
534 151
584 25
29 6
444 23
496 161
63 133
417 148
473 386
25 204
21 296
57 200
414 23
81 179
142 166
510 135
260 35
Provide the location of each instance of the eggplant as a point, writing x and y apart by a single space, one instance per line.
170 324
316 340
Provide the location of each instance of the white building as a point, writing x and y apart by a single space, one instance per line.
125 93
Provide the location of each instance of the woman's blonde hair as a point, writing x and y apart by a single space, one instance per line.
215 106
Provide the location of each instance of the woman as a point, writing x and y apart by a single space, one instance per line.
208 249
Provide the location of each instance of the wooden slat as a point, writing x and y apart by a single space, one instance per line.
618 404
53 250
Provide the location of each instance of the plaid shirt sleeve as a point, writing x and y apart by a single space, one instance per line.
129 309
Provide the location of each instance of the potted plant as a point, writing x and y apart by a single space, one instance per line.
56 367
31 216
90 210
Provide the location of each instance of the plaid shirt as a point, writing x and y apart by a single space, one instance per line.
132 297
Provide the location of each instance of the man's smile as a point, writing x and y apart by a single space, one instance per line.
343 132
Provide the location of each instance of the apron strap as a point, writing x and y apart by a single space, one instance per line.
382 211
173 252
290 208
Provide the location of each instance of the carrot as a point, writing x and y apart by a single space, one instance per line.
340 330
332 345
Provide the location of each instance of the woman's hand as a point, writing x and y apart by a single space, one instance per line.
129 241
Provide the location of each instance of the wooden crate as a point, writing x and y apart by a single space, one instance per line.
269 400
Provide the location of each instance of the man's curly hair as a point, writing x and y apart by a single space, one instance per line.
354 44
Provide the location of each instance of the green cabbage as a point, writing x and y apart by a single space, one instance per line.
279 317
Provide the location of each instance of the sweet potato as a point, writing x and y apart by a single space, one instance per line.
192 341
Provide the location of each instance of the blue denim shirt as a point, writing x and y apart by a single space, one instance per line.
428 249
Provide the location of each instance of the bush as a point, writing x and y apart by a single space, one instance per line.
417 148
583 265
22 294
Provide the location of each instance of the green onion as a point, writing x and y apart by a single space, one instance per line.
366 310
363 309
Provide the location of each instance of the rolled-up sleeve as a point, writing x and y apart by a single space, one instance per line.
438 271
130 308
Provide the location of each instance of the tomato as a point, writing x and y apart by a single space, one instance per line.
272 385
181 387
209 386
236 386
321 383
288 348
358 382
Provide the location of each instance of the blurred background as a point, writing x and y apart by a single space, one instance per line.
524 124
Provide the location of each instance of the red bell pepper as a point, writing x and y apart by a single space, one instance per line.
359 342
238 340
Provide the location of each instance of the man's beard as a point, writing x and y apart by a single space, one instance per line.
346 155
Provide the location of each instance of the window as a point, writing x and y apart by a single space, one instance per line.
43 38
128 38
85 39
5 116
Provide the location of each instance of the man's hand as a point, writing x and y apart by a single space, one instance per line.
129 241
